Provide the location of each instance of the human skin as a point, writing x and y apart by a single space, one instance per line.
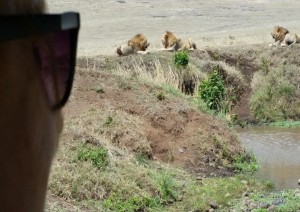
29 128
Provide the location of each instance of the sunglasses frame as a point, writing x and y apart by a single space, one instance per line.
19 26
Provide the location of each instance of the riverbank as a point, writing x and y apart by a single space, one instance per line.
263 82
133 139
131 143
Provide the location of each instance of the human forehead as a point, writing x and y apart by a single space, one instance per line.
21 6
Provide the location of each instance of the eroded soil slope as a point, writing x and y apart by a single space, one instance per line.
176 132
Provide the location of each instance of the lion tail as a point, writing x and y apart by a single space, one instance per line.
192 43
119 52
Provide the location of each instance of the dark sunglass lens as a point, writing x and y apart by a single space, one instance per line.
55 57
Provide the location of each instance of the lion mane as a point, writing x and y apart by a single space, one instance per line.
137 44
283 37
279 33
171 42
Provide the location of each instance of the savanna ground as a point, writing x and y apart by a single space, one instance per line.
139 138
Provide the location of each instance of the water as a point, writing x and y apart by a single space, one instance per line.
277 151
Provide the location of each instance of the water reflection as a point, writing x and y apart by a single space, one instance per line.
277 151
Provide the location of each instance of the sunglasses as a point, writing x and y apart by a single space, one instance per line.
54 50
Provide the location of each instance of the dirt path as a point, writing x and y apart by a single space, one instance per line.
105 24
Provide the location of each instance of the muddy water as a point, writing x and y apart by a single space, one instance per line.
277 151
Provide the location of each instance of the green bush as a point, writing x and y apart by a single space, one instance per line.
212 91
98 156
166 187
246 163
181 59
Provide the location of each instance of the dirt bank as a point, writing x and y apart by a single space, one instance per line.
176 132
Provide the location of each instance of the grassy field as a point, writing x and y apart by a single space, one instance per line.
139 136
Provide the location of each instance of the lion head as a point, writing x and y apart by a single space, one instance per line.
139 42
279 33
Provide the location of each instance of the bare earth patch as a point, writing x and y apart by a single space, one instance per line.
176 132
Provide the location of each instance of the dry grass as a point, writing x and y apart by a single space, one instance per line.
123 130
276 87
276 94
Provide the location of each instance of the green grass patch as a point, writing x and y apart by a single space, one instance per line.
166 186
142 158
97 156
246 163
199 195
285 124
132 204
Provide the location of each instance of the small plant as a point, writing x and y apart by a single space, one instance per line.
246 163
265 65
181 59
166 187
212 91
99 90
142 158
108 122
160 96
98 156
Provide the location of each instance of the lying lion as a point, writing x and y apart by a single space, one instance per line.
138 44
283 37
172 43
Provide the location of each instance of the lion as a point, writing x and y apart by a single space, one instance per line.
283 37
138 44
172 43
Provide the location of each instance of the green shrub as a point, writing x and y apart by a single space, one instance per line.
160 96
98 156
181 59
212 91
246 163
166 186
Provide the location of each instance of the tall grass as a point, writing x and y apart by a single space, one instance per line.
158 74
276 93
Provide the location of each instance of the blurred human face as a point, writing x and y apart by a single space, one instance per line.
29 127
